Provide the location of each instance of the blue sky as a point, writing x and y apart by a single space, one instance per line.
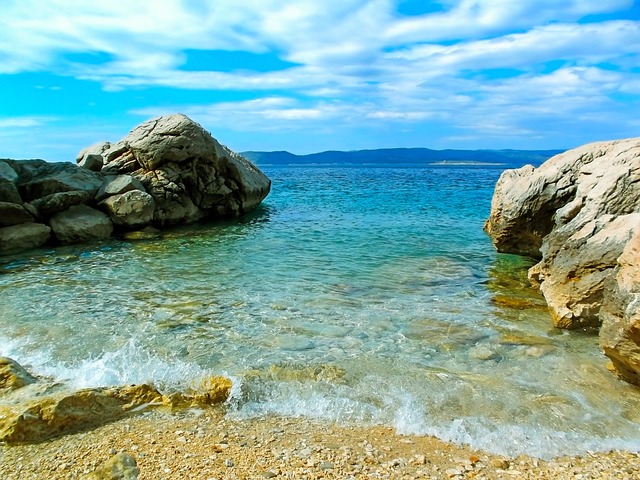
310 75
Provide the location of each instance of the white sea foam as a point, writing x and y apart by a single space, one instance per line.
130 364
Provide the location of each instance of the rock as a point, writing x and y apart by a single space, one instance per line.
7 173
483 353
37 178
116 185
573 276
188 173
119 467
501 463
52 415
131 209
80 223
13 214
23 237
576 212
212 391
52 410
8 190
620 313
96 149
92 161
59 202
13 375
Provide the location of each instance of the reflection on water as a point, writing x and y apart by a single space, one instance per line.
366 295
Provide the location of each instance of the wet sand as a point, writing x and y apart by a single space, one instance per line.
206 445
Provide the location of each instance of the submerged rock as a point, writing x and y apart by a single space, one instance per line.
576 213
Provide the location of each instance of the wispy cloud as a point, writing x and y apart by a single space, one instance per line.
526 64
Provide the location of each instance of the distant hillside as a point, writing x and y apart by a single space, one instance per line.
403 156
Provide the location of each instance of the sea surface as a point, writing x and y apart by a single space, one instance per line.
355 294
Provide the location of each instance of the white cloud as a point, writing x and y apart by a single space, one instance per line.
358 62
21 122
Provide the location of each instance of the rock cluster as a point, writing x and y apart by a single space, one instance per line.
33 410
579 214
166 171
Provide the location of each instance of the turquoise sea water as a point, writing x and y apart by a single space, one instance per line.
354 294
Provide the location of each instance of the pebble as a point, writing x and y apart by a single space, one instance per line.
336 453
326 466
500 463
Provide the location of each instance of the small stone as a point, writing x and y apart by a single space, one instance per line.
269 474
326 466
500 463
229 463
419 460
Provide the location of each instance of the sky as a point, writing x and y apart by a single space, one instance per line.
315 75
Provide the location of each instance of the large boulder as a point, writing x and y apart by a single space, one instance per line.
13 214
187 172
23 237
59 202
130 209
80 223
8 189
576 213
116 185
37 178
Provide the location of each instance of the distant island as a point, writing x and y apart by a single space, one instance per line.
405 156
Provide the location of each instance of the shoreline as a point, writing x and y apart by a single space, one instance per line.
206 445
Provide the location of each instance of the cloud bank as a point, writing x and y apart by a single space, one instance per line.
337 74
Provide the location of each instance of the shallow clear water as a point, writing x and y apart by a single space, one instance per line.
354 294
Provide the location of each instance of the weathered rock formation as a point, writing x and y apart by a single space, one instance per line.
33 410
577 213
187 172
620 313
167 171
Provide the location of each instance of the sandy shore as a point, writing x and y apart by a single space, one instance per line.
210 446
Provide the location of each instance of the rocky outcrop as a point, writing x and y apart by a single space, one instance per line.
576 213
167 171
33 410
187 172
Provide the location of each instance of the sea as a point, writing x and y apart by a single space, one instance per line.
356 294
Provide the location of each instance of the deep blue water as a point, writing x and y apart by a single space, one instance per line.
355 294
